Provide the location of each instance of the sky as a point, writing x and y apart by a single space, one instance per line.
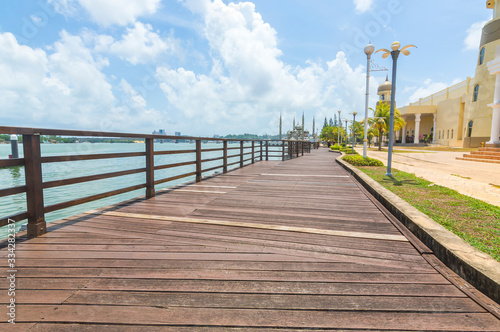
216 67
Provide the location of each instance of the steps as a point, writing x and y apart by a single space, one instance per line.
485 155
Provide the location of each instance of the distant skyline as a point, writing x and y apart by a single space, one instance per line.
206 68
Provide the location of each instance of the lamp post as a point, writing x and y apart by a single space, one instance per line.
353 129
395 54
369 49
346 132
340 126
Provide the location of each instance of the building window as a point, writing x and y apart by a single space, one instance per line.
476 92
383 97
452 134
440 134
481 56
448 134
469 134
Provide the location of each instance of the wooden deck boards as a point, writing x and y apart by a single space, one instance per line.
235 266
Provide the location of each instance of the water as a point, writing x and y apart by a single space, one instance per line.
14 176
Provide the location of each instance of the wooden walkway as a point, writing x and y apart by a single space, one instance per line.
276 246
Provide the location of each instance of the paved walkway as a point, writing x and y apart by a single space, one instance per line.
276 246
471 178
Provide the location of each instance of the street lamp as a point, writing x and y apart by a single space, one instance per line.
369 49
395 54
340 125
346 132
353 129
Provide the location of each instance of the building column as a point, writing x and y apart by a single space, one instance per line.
417 128
494 69
434 132
403 139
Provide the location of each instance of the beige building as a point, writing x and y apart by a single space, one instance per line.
459 115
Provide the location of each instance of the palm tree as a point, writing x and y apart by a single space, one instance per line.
381 120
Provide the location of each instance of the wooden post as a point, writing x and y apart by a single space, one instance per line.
150 168
267 150
34 189
290 149
297 148
253 151
282 150
224 155
241 153
198 160
302 147
260 150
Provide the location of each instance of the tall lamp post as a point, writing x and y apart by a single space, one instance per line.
369 49
353 129
340 126
395 54
346 132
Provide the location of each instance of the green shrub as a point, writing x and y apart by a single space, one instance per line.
335 147
358 160
348 151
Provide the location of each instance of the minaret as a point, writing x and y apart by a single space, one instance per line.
293 123
280 126
303 130
314 128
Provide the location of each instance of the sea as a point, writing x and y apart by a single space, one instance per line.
14 176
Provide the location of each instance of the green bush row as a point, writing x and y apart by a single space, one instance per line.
358 160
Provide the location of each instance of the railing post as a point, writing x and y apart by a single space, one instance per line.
34 189
253 151
267 150
150 168
297 148
282 150
302 147
260 150
224 155
241 153
290 149
198 160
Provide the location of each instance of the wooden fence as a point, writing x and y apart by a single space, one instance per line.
33 160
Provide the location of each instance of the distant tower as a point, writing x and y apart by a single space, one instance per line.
314 127
280 126
293 128
303 128
384 91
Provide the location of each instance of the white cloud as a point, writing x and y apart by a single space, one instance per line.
429 87
108 12
64 88
473 37
362 5
248 82
140 44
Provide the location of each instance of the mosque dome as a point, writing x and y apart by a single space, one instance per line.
385 87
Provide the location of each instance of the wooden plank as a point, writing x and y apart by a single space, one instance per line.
261 226
256 317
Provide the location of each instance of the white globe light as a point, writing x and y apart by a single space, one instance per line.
369 49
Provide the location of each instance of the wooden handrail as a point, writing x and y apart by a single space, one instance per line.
33 160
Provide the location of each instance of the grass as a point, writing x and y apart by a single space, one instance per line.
475 221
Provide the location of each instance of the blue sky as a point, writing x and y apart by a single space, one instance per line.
205 67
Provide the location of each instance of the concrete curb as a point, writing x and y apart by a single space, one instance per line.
476 267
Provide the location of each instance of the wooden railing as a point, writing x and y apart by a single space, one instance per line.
33 160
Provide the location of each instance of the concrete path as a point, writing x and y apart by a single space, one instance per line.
471 178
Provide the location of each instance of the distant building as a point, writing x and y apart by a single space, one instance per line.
160 132
177 133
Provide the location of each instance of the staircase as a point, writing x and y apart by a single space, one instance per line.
485 155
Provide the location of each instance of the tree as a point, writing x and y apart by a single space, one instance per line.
324 124
381 120
359 129
335 123
330 123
